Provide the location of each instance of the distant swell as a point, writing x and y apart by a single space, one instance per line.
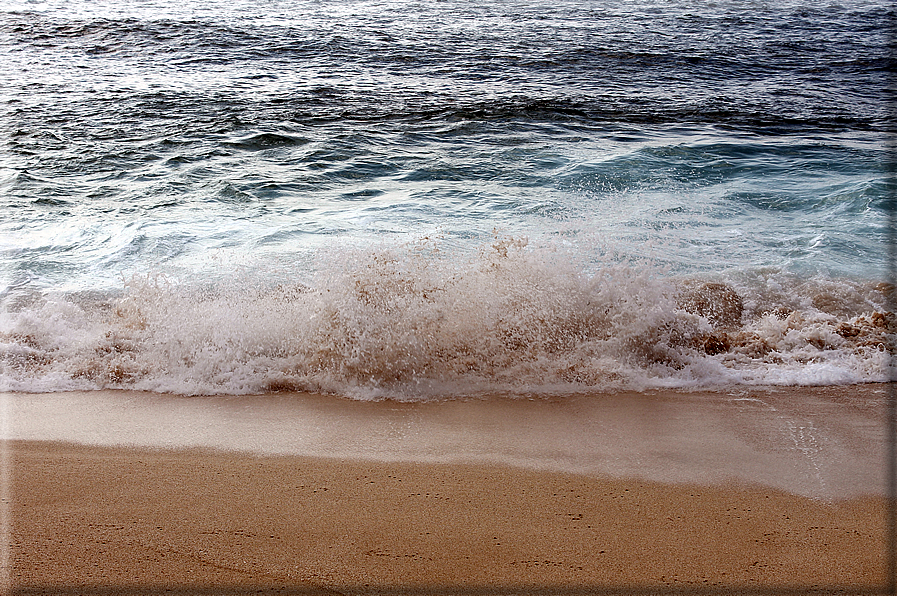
741 66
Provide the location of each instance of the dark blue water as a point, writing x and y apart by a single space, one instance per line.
392 198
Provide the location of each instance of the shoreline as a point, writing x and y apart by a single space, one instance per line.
101 520
821 442
748 491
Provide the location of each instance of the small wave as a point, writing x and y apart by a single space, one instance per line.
266 140
418 322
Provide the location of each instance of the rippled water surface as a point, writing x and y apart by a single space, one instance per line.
422 199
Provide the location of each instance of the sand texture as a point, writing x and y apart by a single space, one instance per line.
747 491
114 520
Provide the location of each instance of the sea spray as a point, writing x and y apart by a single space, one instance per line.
422 320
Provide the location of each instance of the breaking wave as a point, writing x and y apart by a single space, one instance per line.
421 321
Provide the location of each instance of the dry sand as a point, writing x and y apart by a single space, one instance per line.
101 519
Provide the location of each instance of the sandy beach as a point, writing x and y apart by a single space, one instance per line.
118 512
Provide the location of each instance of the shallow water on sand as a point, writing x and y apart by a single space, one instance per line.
827 443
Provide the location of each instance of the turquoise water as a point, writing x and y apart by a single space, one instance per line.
382 199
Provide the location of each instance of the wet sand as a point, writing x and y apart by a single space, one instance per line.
239 495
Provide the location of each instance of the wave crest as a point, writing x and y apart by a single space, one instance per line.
419 321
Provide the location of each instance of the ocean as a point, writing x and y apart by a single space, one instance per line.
428 200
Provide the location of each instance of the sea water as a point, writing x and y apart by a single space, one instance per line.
418 200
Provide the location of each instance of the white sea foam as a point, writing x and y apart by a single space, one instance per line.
416 321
